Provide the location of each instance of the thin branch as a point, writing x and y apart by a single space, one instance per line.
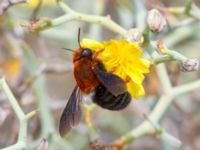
38 87
179 90
17 109
188 10
73 15
31 114
23 119
164 78
164 102
169 56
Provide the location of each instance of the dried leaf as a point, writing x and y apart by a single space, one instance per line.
5 4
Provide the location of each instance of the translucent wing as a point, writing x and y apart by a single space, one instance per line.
112 82
71 115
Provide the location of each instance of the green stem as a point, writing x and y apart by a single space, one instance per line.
62 143
60 20
105 21
22 137
186 88
146 127
158 111
169 56
164 78
31 114
17 146
141 13
188 8
187 11
17 109
65 7
162 59
160 108
73 15
38 87
179 35
23 131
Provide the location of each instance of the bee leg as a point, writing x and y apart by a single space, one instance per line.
95 55
127 79
113 69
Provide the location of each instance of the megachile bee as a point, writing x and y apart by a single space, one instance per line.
109 90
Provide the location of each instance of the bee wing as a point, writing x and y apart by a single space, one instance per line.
71 115
112 82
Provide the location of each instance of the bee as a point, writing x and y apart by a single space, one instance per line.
109 90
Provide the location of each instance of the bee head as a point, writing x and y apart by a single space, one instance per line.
86 53
82 53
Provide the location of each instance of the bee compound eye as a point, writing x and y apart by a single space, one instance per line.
86 52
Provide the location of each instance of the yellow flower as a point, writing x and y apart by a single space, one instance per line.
123 59
91 44
34 3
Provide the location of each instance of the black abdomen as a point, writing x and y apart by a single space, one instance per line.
106 100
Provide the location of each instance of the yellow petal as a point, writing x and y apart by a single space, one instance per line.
91 44
146 63
138 66
34 3
137 77
136 90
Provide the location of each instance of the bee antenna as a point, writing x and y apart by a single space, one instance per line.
71 50
79 34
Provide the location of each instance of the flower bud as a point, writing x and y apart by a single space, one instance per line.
134 35
43 145
189 65
155 20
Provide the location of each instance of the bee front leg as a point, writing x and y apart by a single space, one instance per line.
95 55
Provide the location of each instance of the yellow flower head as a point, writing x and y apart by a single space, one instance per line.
34 3
123 59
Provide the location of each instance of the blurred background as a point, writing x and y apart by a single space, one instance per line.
40 75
